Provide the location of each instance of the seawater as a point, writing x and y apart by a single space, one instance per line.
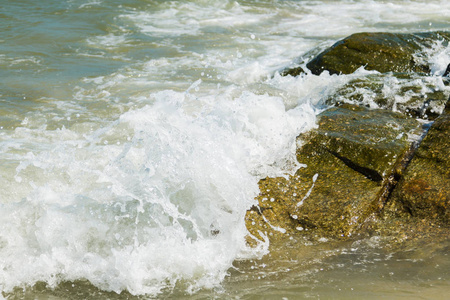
133 135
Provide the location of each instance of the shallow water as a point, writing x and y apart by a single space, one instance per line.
133 135
370 268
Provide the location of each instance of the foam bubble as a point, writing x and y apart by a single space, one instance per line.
438 57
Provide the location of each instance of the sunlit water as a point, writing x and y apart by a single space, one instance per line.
133 135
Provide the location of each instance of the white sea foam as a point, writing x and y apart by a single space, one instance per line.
157 196
108 41
438 57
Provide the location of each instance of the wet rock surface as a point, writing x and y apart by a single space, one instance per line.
379 51
416 96
403 81
349 160
424 190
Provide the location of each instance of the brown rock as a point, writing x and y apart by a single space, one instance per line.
424 191
350 160
380 51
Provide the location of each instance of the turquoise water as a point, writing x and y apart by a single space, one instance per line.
133 135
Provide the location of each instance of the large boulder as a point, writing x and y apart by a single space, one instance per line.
351 162
383 52
403 83
358 177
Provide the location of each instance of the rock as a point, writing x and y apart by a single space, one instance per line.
415 96
292 71
383 52
358 176
351 161
400 59
424 191
401 85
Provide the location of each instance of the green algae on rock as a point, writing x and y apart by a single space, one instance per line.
403 82
350 159
379 51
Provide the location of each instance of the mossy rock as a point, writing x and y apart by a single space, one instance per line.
380 51
292 71
424 191
350 159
